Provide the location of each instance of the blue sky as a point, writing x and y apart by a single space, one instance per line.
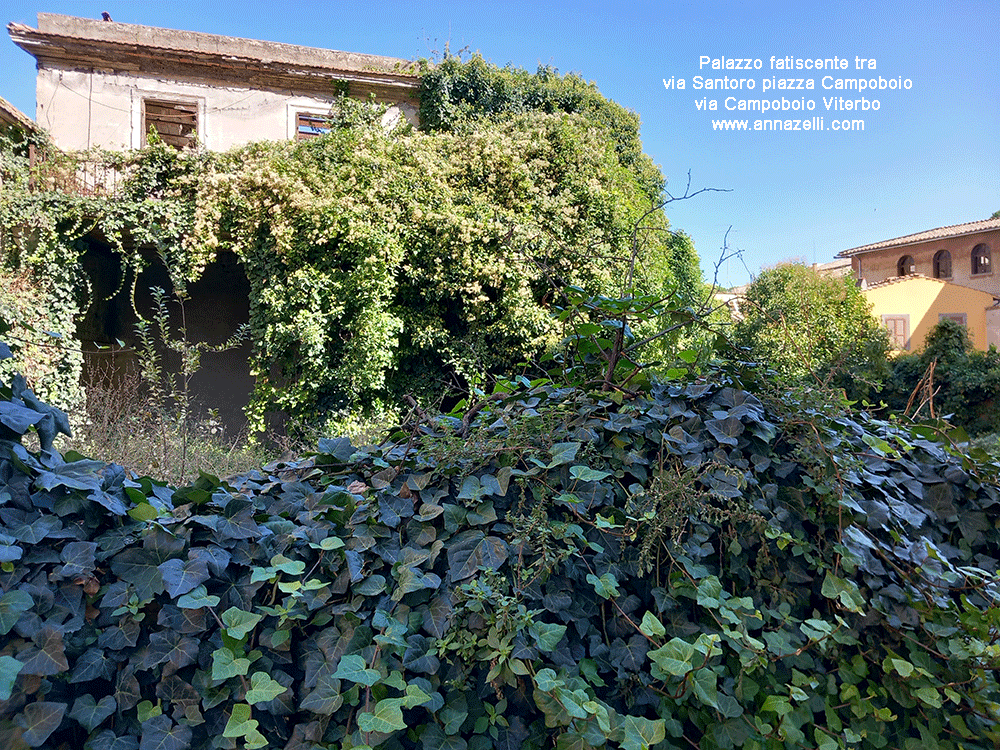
930 156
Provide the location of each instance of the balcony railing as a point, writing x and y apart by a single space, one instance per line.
73 174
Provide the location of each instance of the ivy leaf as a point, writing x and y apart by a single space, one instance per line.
226 665
77 475
13 604
705 686
563 453
546 635
140 568
182 576
239 623
473 489
263 689
354 668
197 598
79 559
18 418
673 658
169 645
606 586
90 713
651 626
240 724
846 592
287 565
108 740
777 703
339 449
9 669
39 720
325 698
413 580
49 655
160 733
586 474
642 734
471 550
725 430
434 738
387 717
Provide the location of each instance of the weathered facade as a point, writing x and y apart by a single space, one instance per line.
106 84
961 254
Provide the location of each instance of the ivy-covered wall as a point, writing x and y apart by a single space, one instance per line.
379 264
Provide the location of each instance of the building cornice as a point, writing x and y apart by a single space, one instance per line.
66 42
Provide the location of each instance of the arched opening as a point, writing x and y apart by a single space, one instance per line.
981 259
905 266
942 264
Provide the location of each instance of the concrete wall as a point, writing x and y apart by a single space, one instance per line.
880 265
83 108
924 300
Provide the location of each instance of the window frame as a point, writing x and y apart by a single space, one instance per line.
303 118
961 318
904 318
982 260
188 118
939 257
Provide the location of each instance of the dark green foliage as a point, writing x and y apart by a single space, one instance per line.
965 382
810 328
692 567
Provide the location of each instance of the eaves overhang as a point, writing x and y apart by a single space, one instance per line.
66 42
955 230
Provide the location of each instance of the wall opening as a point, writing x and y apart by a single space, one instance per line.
218 303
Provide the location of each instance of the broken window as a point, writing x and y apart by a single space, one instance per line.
310 125
176 123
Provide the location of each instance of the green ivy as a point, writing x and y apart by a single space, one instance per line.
693 567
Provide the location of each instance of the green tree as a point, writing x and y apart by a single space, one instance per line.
809 327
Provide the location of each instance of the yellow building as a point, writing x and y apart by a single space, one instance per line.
909 306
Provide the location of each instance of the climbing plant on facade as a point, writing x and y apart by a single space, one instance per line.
382 264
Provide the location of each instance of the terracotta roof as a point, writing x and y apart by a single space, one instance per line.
955 230
914 276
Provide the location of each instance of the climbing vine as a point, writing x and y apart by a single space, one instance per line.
380 264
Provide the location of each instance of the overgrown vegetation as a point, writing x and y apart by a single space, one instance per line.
948 379
380 264
810 328
688 566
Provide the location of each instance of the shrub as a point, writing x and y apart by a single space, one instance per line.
955 380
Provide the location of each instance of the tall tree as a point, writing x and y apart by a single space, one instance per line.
811 327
